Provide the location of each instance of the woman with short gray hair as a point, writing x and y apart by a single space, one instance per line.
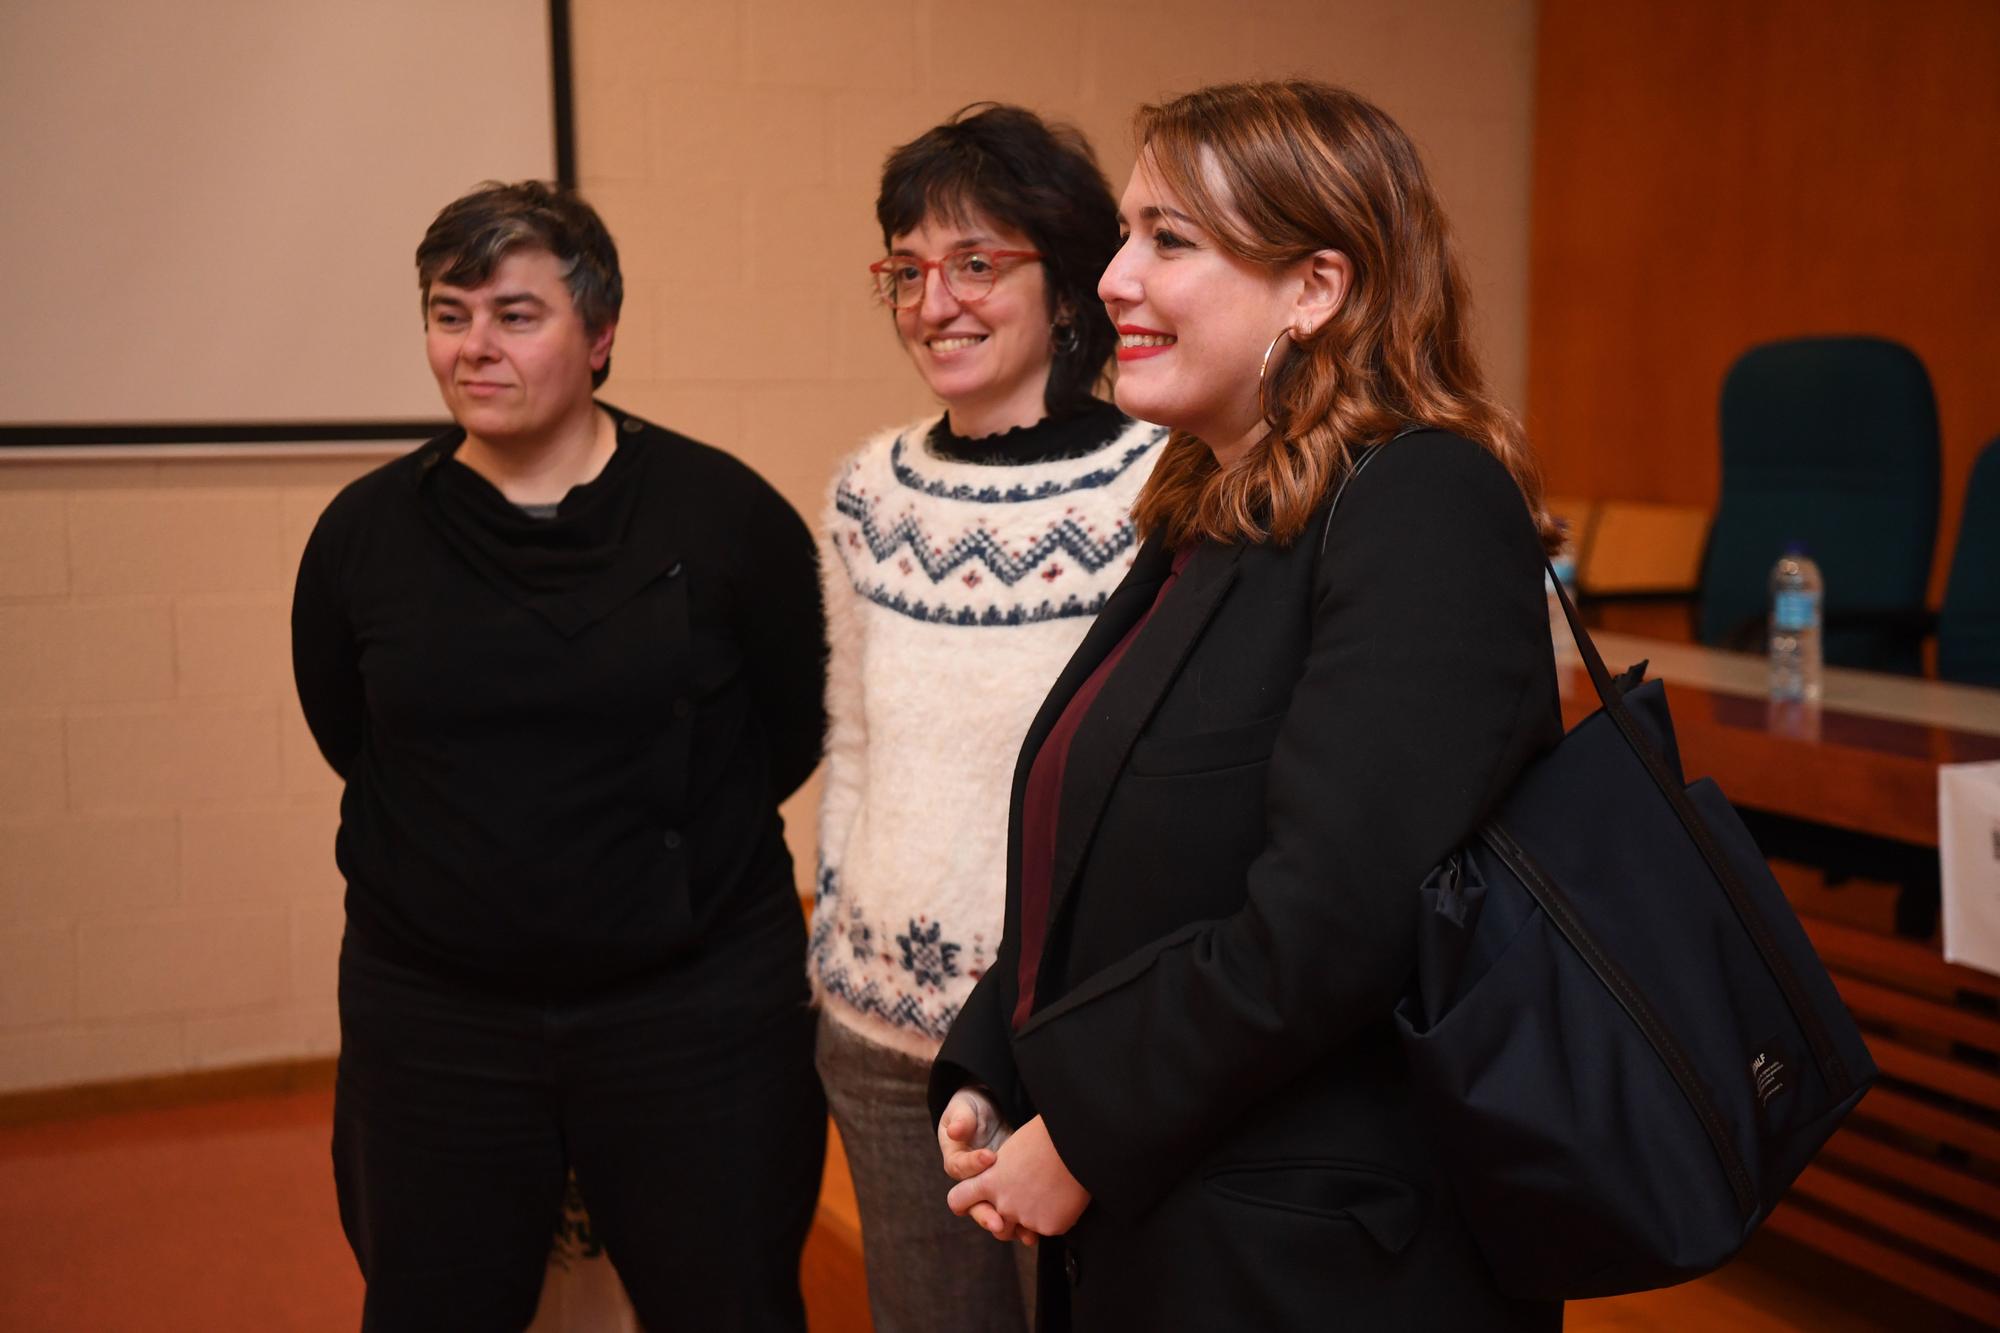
567 663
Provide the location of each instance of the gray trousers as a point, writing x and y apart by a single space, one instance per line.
928 1271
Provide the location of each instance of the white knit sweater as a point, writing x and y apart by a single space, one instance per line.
955 593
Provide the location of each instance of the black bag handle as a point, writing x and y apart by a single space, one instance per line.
1832 1067
1361 461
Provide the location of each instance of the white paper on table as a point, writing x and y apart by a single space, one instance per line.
1969 855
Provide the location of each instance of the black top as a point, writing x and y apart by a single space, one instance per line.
1069 436
564 739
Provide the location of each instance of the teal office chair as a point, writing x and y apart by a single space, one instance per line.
1832 442
1969 621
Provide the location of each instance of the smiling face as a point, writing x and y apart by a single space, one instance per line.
512 357
988 361
1193 320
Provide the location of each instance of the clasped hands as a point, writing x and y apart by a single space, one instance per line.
1012 1183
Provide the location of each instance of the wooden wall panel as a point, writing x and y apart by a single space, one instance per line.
1710 174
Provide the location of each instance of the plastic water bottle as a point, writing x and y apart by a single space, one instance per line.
1795 621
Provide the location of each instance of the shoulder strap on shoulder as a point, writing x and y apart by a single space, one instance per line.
1361 460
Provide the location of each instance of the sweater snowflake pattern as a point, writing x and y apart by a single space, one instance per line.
955 593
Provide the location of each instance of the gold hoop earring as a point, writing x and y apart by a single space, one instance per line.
1263 388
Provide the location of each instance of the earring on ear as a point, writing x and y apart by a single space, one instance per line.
1263 387
1064 338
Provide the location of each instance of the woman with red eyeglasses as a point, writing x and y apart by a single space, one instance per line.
963 559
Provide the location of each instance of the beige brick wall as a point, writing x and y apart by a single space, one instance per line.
734 146
167 894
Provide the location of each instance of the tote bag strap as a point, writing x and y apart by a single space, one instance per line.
1361 460
1832 1067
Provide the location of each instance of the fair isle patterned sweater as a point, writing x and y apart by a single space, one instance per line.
955 593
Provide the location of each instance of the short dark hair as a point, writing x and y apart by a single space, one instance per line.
1038 178
476 231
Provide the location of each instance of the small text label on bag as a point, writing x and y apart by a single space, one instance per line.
1771 1074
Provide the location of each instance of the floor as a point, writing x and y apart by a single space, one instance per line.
220 1216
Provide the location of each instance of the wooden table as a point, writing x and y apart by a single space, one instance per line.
1866 759
1909 1188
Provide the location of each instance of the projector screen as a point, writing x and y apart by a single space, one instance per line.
212 204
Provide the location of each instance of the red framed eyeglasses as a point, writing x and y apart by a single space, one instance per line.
968 275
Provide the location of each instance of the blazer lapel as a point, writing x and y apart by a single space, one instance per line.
1097 753
1128 601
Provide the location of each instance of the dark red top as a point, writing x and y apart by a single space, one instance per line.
1041 803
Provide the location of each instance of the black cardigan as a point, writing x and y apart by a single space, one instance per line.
1294 740
564 740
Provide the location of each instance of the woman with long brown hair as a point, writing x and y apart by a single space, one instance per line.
1290 711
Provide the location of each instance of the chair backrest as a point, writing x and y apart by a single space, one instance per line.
1636 548
1969 621
1832 442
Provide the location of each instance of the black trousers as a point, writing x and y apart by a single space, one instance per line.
688 1108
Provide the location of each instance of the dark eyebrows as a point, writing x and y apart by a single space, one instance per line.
441 299
961 244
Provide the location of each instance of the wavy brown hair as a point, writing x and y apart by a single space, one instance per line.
1276 172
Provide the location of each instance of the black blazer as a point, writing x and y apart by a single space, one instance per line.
1295 739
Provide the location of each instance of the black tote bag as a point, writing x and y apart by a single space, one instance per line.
1620 1038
